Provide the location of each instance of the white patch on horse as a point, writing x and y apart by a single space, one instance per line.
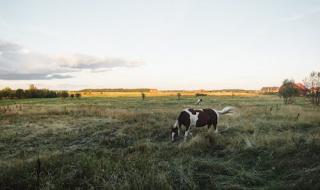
176 125
193 117
218 116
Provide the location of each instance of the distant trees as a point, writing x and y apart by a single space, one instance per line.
78 95
312 82
6 92
20 93
32 92
288 91
200 94
63 94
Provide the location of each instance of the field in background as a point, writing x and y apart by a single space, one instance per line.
124 143
154 93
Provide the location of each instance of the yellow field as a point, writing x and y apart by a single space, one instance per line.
164 93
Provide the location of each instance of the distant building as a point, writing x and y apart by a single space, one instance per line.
153 90
268 90
314 89
303 90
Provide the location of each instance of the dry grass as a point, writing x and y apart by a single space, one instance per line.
164 93
124 143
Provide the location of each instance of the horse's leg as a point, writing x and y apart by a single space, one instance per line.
186 133
179 129
215 128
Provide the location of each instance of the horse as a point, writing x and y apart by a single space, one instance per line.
199 101
197 118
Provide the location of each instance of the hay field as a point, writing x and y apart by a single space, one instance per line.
124 143
166 93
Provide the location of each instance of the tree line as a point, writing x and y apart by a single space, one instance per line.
312 82
119 90
34 92
289 89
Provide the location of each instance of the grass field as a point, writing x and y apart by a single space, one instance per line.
168 93
124 143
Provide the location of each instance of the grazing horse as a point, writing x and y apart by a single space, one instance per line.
199 101
197 118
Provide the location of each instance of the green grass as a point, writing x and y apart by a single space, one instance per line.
124 143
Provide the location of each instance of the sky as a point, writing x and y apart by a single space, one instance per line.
167 44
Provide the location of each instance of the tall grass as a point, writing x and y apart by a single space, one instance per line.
124 143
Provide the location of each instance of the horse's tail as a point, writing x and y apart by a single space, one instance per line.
226 110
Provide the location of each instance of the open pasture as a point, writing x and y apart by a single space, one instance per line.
124 143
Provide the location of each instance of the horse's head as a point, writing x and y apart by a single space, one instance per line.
174 133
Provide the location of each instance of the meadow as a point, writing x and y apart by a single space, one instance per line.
124 143
160 93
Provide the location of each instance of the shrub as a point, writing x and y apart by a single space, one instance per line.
200 94
20 93
64 94
143 96
288 91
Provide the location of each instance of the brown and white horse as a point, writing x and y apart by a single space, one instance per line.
197 118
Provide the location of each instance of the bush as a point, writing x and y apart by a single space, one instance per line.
63 94
143 96
288 91
20 93
6 92
32 92
200 94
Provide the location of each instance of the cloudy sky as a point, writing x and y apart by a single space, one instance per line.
167 44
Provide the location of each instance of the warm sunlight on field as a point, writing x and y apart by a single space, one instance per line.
165 93
159 95
125 143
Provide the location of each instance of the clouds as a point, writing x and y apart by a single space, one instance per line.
80 61
18 63
32 76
